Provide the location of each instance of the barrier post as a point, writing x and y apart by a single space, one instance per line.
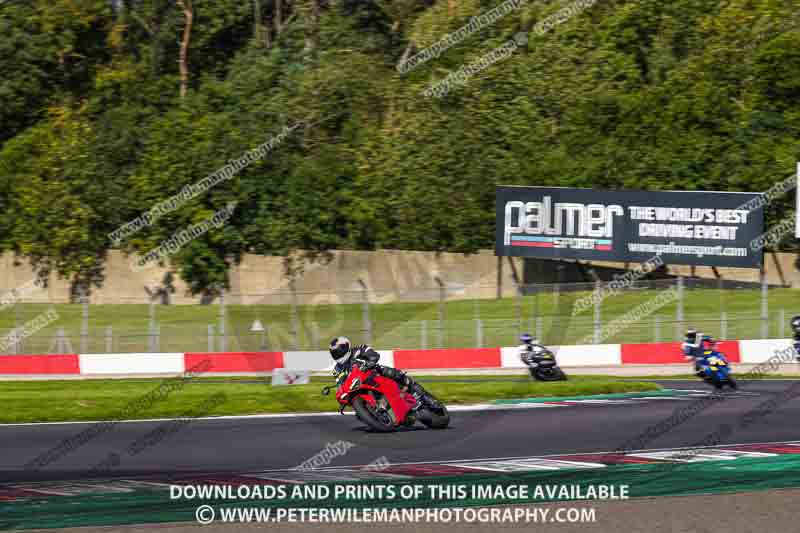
210 346
479 332
539 328
781 323
423 328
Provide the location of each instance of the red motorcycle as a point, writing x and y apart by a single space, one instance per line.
380 403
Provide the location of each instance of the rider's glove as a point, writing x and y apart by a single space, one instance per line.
369 365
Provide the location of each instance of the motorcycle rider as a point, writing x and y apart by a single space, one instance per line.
345 355
529 347
795 323
693 348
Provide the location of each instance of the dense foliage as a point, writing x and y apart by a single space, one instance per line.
110 106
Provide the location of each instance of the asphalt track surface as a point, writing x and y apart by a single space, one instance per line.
230 445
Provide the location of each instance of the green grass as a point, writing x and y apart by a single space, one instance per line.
401 325
55 401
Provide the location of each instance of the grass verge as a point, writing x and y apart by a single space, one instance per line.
57 401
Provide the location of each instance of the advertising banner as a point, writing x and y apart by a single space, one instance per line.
681 227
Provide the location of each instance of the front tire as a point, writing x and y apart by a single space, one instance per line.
555 374
438 419
368 414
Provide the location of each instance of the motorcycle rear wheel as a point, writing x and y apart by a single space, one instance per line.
367 414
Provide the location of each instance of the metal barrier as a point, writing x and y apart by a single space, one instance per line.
436 317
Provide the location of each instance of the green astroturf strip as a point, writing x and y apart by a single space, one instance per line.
671 479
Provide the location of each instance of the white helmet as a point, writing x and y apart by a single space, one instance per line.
340 349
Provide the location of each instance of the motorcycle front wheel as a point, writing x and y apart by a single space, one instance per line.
550 375
434 419
376 421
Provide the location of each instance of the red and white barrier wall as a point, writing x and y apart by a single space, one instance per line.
600 355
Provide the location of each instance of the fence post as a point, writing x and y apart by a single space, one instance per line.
723 325
539 328
598 287
657 325
315 336
151 326
15 345
479 332
764 306
109 339
424 334
294 317
440 311
210 338
61 341
84 320
781 323
679 309
223 335
367 325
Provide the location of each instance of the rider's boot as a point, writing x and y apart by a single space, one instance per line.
423 397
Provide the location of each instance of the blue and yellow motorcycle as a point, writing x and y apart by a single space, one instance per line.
716 370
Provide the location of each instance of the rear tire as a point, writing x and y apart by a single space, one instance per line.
732 383
438 419
367 414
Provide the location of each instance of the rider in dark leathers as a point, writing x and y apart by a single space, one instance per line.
693 348
345 355
795 323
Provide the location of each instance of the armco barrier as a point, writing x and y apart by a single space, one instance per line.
319 361
235 361
759 351
598 355
666 353
570 355
40 364
131 363
448 358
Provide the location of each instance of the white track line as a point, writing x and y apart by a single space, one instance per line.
455 408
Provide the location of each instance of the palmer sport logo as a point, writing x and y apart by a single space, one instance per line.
560 225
